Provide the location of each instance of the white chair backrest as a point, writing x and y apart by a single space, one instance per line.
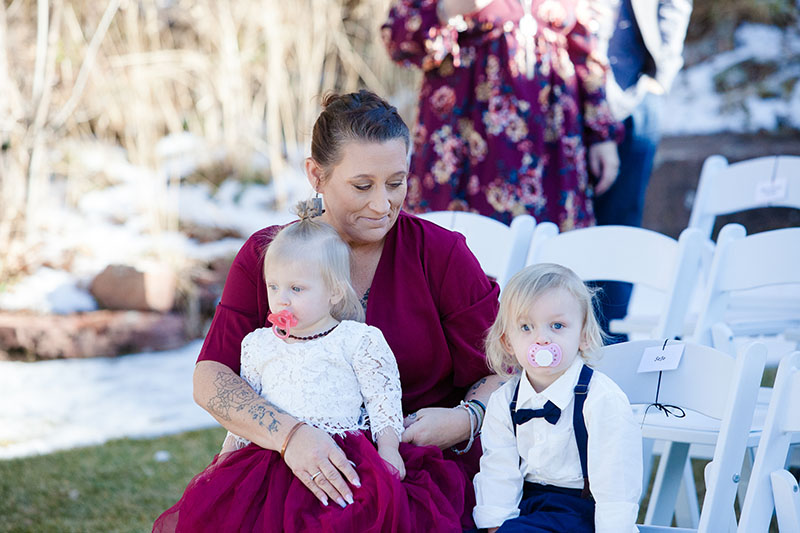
500 249
772 487
634 255
772 181
729 397
742 263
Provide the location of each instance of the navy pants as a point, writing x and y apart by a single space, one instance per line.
623 203
548 509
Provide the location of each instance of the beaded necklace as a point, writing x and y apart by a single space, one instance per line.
310 337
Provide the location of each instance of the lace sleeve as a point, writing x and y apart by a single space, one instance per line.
377 374
251 375
251 346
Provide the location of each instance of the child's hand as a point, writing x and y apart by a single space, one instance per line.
392 456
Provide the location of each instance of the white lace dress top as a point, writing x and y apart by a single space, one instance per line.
327 382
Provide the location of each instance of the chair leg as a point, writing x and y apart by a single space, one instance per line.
667 482
747 471
787 500
647 464
687 510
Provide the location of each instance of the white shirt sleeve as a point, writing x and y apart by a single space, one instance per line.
498 485
614 458
376 370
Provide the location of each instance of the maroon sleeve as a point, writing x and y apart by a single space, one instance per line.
413 34
468 304
243 307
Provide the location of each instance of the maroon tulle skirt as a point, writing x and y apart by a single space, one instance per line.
252 489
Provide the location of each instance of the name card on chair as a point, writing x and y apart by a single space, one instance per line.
771 190
656 359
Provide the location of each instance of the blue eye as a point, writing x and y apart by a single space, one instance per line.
272 287
297 289
525 327
558 325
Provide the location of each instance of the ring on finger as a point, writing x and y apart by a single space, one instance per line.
313 477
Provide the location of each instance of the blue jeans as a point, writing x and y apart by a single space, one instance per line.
623 203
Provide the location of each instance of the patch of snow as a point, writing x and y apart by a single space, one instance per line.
696 109
64 404
48 291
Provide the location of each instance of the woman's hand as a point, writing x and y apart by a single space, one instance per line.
604 164
437 426
319 463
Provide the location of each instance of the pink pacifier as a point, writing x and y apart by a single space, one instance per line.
282 322
544 355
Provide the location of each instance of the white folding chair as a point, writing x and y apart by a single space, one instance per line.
501 250
772 487
740 263
742 267
729 399
652 261
772 181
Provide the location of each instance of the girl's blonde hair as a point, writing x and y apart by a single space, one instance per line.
517 297
313 241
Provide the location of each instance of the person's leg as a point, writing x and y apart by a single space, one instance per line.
623 203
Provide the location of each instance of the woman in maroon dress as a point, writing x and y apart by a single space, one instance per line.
420 284
512 94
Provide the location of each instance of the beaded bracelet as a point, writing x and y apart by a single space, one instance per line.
480 410
289 437
473 418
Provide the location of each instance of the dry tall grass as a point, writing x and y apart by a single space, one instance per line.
243 74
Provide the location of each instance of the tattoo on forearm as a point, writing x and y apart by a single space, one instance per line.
233 397
477 385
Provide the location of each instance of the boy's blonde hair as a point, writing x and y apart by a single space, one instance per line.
313 241
524 288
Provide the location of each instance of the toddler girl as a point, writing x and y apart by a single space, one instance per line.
561 450
321 364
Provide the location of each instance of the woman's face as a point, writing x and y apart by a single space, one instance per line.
365 191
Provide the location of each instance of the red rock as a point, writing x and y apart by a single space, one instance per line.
94 334
124 287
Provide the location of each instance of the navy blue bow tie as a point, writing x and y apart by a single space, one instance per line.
549 412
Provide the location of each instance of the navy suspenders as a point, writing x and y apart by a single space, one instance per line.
578 423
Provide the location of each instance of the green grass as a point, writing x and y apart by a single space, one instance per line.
117 487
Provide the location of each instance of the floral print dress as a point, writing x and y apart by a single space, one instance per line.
507 107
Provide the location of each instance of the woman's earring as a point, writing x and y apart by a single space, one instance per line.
316 205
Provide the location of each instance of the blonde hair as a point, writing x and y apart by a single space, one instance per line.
310 240
518 295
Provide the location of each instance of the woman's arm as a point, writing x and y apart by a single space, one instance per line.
445 427
308 450
237 407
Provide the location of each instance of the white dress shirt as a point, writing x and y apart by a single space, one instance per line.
548 454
